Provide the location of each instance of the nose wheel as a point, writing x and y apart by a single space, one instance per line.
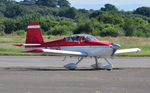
100 65
109 66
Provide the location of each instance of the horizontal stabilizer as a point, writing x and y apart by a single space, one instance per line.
127 50
56 52
26 44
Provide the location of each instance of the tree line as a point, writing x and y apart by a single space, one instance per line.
57 17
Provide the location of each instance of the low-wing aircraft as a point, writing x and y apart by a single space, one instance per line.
80 45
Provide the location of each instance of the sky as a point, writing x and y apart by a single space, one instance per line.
126 5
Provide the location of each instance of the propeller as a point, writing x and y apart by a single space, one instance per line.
115 48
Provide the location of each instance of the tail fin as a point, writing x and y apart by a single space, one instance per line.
34 35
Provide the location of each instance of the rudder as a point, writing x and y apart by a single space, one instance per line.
34 35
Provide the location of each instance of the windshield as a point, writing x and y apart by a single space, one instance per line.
89 37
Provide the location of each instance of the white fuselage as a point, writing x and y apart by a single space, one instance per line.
100 51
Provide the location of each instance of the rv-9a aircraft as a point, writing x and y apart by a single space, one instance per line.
80 45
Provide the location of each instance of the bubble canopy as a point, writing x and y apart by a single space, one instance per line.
77 37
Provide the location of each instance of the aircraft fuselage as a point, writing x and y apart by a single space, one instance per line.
90 47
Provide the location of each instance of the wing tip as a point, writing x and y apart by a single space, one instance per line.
139 50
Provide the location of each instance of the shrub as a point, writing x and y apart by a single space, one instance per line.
110 31
19 33
60 30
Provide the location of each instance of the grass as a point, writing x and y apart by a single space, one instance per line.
144 53
7 49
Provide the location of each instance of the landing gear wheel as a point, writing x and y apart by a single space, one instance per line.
109 69
71 66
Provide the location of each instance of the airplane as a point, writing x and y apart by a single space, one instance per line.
80 45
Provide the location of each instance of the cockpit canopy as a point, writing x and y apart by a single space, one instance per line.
80 37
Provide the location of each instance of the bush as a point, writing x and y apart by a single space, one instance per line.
2 33
19 33
2 28
10 25
60 30
110 31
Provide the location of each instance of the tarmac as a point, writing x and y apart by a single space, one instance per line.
57 61
45 74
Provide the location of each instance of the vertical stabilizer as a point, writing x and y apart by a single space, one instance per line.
34 35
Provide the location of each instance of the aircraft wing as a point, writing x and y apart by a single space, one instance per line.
127 50
56 52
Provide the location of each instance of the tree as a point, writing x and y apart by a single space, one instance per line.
142 26
145 11
30 0
6 1
110 31
10 26
68 12
146 30
71 13
49 3
111 19
60 30
54 3
26 0
95 13
26 19
85 27
109 7
2 28
129 27
63 3
46 25
13 11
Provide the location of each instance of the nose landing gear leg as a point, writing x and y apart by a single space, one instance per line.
100 66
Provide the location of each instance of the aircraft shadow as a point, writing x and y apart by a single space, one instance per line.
53 69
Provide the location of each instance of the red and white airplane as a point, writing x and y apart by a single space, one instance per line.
80 45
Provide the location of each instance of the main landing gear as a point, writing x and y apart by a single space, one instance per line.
73 66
